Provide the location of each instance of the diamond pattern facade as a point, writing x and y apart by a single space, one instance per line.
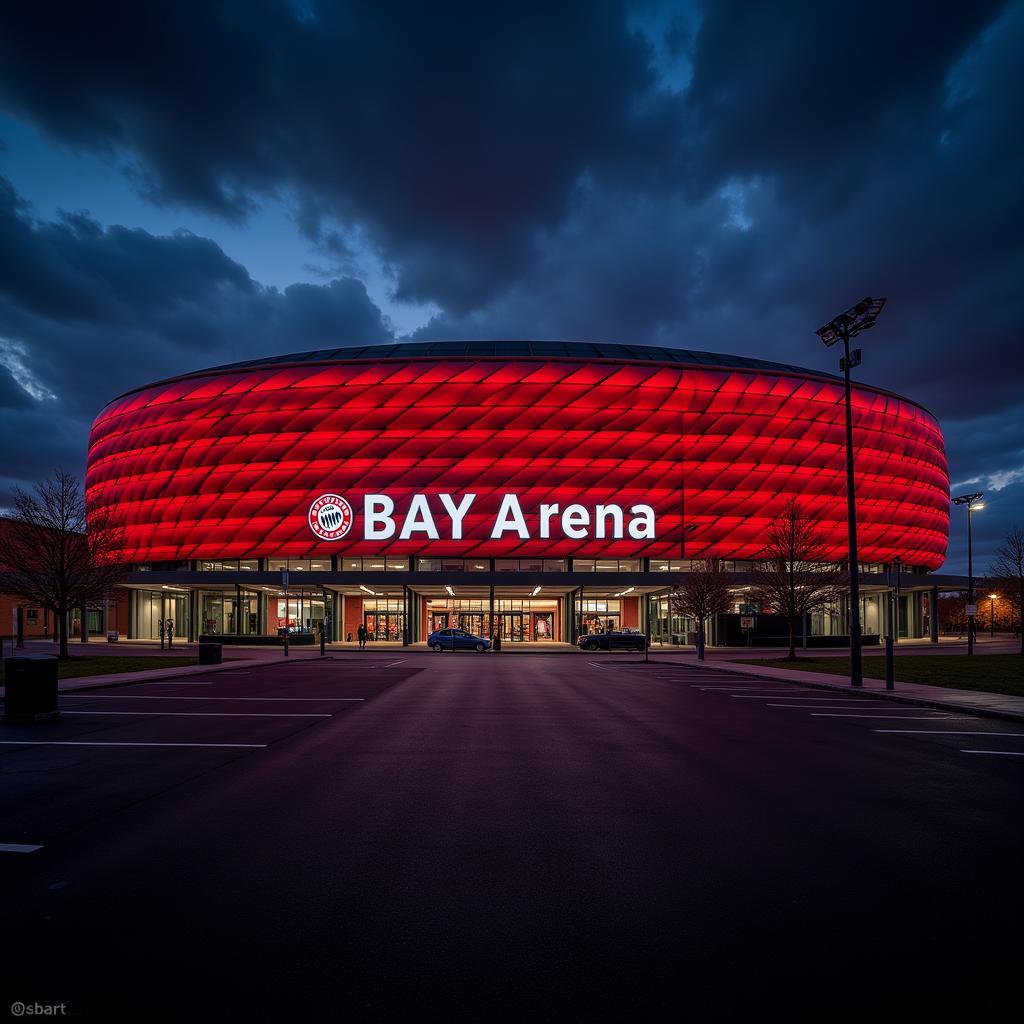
225 463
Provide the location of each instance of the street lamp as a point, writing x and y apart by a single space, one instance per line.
974 504
844 327
992 613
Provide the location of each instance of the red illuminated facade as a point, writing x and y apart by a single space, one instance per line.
226 463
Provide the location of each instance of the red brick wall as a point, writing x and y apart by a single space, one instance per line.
32 629
353 617
117 616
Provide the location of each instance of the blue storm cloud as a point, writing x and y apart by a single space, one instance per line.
711 175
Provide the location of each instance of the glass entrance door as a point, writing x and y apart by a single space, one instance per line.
598 622
472 622
903 616
384 626
512 626
438 620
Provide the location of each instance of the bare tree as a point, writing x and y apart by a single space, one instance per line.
794 576
1008 569
704 595
55 556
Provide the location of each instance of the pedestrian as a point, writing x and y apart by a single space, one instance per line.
361 632
170 632
160 629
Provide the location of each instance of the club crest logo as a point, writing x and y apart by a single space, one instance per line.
330 517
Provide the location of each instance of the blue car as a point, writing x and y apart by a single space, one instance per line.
456 640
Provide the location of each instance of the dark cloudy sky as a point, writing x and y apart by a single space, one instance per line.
187 183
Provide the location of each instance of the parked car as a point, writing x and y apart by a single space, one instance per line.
456 640
620 640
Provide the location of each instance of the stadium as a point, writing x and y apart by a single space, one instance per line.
528 490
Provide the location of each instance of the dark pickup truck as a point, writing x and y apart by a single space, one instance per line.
626 640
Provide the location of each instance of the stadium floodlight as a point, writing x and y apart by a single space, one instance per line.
842 328
972 501
848 325
974 504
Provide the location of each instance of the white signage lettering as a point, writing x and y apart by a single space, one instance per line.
642 528
603 513
442 517
418 519
378 524
457 512
510 517
575 520
546 512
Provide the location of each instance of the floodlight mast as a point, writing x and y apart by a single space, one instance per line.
844 327
973 503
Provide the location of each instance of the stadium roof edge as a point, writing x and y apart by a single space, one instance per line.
513 349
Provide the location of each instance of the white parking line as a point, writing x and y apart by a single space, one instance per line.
797 696
204 714
1001 753
705 686
81 743
394 663
168 696
825 707
937 717
596 664
160 682
19 848
949 732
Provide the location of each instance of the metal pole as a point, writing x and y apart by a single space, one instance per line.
287 613
323 622
647 627
856 668
890 673
992 621
490 616
897 593
970 583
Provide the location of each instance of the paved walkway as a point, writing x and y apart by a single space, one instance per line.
993 705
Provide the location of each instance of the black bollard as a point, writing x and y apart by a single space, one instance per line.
890 669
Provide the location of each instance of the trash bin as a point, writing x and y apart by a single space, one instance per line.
30 689
113 636
209 654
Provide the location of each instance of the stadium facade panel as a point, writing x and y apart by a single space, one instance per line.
511 450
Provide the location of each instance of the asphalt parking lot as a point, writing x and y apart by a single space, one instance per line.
467 835
111 747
